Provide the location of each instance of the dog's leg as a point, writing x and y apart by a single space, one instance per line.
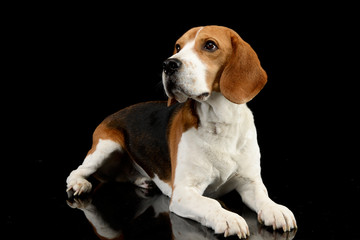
93 161
255 196
188 202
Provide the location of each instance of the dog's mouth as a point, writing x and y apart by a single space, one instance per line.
181 95
174 89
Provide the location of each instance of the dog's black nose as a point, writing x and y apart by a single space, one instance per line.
171 65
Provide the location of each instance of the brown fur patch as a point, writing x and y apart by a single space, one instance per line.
183 120
104 132
142 131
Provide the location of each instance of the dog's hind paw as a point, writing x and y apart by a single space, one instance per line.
144 182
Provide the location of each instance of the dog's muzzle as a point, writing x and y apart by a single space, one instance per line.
175 89
171 65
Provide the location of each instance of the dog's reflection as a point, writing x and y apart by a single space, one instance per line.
123 211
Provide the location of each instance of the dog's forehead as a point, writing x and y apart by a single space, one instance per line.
189 35
214 31
199 33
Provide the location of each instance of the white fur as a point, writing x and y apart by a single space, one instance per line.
165 187
219 156
222 154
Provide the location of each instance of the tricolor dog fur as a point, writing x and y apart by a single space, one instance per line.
201 143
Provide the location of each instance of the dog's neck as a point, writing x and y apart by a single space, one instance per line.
217 109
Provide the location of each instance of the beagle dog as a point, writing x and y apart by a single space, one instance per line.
200 144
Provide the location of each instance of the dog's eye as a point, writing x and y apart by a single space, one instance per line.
177 47
210 46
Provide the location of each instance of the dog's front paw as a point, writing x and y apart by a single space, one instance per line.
230 223
78 184
277 216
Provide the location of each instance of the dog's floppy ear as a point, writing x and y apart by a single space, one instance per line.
243 76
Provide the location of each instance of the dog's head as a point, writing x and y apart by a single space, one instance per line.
213 58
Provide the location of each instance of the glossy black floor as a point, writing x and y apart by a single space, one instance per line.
71 66
39 207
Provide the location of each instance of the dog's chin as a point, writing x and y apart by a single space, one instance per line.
180 96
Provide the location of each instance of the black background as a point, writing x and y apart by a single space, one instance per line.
67 67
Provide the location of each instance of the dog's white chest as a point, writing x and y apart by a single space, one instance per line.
214 156
203 164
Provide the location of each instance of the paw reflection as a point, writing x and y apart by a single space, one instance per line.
79 203
123 211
